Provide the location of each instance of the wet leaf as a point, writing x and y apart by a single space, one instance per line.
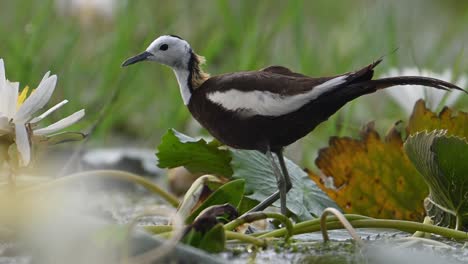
246 204
198 156
192 237
375 177
423 119
214 241
372 176
200 190
223 213
230 193
207 232
305 199
442 161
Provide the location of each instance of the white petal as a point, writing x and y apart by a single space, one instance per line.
11 96
3 98
36 100
48 112
22 143
67 121
2 70
46 76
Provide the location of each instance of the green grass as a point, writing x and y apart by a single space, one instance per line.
314 37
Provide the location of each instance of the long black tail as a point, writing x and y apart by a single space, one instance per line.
360 82
370 86
414 80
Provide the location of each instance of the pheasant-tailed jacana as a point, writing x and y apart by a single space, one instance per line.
268 109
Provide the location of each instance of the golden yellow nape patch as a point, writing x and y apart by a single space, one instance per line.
22 96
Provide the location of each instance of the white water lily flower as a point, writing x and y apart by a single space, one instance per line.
16 113
407 95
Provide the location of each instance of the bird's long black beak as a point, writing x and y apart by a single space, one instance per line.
140 57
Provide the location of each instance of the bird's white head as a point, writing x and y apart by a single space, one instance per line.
169 50
176 53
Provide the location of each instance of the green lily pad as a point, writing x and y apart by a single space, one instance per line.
305 199
198 156
442 162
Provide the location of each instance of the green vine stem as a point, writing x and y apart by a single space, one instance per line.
357 221
165 231
246 238
406 226
427 221
158 229
251 217
298 227
344 222
103 174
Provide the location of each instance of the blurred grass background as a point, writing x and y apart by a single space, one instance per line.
85 46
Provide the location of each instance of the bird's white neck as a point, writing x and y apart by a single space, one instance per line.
183 76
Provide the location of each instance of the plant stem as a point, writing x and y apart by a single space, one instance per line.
165 231
343 221
411 227
458 222
406 226
245 238
298 227
251 217
158 229
110 174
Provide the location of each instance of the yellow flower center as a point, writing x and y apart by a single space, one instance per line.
22 96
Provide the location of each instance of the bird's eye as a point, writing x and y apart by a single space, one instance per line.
164 47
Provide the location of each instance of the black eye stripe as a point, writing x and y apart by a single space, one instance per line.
164 47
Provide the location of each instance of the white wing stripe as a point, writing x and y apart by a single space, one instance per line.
267 103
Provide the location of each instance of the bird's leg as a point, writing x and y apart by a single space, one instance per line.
284 170
265 203
282 186
281 181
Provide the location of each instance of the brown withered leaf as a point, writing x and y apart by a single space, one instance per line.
372 176
456 123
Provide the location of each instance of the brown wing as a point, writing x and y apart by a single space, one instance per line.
363 74
283 71
280 80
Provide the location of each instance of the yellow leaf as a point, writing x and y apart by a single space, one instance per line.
422 119
372 176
